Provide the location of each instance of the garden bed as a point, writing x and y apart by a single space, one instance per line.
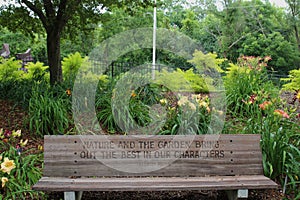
14 119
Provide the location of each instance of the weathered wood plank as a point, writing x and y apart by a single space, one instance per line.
152 163
154 183
100 155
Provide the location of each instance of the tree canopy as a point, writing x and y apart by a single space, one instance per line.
236 28
57 18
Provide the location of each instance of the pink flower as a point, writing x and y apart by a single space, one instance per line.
281 113
265 105
251 99
267 58
7 133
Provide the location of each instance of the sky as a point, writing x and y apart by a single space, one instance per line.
279 3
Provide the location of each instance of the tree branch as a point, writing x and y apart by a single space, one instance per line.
37 11
239 39
65 10
62 14
211 33
235 42
50 12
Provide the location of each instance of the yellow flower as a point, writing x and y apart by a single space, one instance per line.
183 100
192 106
4 180
163 101
171 108
208 109
7 165
220 112
298 95
16 133
23 143
203 104
1 133
0 157
197 97
40 147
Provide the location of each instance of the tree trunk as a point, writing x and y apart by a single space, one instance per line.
53 52
297 36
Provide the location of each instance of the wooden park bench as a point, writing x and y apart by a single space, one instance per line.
73 164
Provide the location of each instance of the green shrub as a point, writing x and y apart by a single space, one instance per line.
37 72
294 81
206 62
182 81
16 84
71 65
10 78
9 70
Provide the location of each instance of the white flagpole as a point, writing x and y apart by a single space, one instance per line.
154 41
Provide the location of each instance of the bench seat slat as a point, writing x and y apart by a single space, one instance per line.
154 183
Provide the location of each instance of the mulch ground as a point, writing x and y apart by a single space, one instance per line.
178 195
14 117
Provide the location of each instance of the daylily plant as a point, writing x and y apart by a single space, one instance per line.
8 165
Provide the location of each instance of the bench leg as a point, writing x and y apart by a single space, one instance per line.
232 194
235 194
79 195
69 195
73 195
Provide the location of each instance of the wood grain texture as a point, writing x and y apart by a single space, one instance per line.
235 155
155 183
139 163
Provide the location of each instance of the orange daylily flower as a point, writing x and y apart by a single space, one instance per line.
133 94
281 113
68 92
265 105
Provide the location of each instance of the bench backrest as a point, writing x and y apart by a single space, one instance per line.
88 155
